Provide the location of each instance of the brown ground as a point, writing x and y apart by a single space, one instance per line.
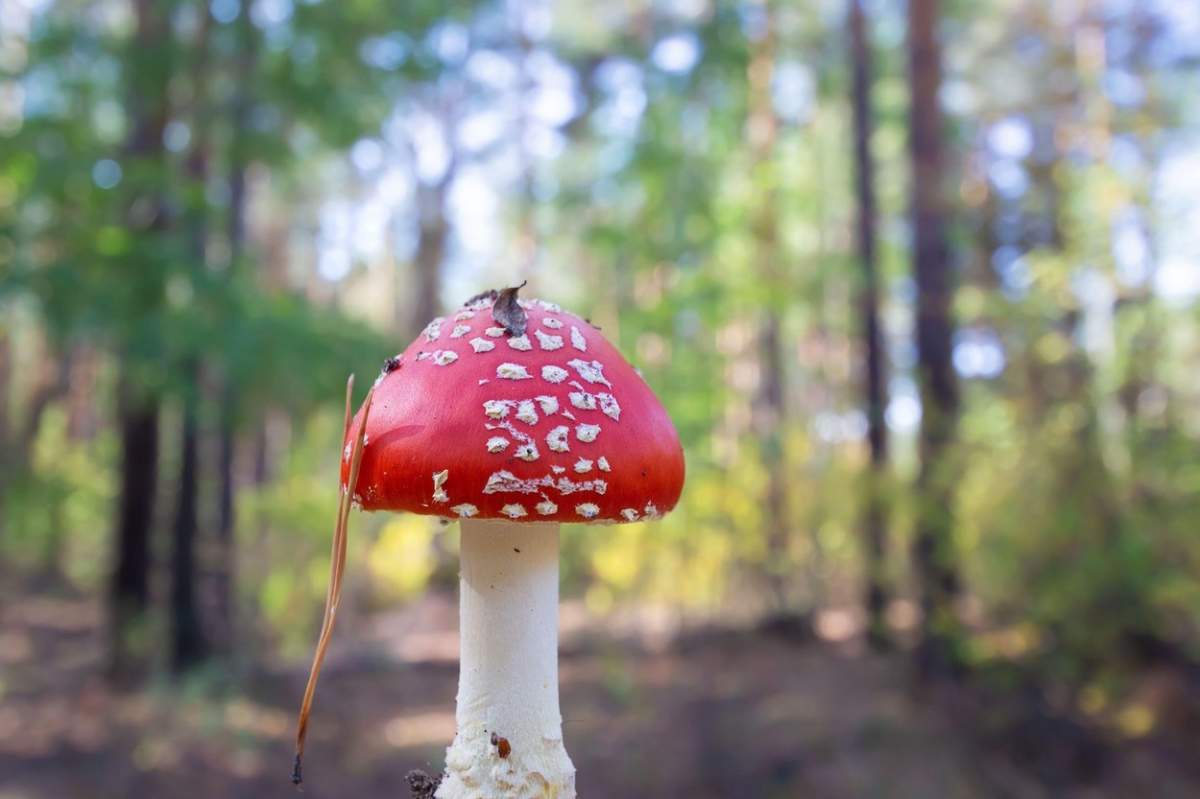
716 714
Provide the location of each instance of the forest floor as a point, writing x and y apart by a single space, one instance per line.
709 714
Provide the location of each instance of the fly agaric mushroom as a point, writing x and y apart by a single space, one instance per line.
512 416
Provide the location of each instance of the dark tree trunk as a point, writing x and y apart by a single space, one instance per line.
148 78
130 589
188 644
5 383
226 565
874 387
5 430
224 576
933 548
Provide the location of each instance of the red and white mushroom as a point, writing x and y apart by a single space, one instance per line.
513 416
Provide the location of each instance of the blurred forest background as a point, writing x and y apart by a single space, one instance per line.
918 283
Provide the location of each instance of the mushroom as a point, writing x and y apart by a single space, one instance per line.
513 417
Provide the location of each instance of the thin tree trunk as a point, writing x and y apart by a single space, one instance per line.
5 429
431 250
432 238
527 238
262 453
771 418
763 129
82 409
934 557
189 646
148 78
874 387
5 384
226 550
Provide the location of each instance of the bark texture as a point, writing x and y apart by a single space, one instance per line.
189 645
148 79
935 559
770 410
875 516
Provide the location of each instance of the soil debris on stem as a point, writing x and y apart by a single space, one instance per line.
421 785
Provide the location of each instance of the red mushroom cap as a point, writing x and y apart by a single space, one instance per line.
551 425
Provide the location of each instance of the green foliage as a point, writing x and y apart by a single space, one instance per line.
56 516
678 231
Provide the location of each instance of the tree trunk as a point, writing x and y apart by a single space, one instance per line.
263 452
83 419
770 422
5 383
130 588
225 571
224 579
5 410
188 644
763 127
431 251
933 548
226 553
527 234
148 78
874 386
432 239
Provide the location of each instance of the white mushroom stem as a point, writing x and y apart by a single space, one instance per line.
508 670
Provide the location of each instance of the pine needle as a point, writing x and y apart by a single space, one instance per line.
337 567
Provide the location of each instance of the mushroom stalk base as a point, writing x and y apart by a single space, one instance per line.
508 670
